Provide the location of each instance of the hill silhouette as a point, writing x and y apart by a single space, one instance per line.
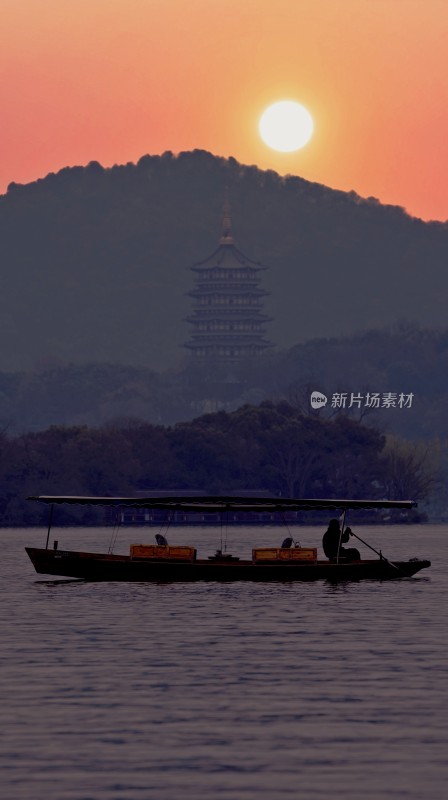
95 261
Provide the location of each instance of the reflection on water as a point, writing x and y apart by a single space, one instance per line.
241 691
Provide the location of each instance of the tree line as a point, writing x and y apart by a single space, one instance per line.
272 447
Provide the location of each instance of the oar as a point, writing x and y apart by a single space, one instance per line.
379 553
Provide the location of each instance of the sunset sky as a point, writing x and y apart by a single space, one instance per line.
112 80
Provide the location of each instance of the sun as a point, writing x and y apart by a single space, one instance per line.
286 126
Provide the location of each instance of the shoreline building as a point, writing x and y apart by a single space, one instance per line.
227 318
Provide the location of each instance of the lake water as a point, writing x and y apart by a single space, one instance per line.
242 691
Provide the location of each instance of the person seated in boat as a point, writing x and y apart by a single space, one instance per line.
331 540
288 542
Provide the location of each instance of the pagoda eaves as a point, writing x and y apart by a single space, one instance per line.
227 318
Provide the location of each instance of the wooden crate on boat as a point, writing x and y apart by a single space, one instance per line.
168 552
287 554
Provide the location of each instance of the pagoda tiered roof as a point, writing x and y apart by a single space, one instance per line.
228 316
227 256
224 290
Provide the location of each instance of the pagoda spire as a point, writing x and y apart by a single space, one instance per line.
227 236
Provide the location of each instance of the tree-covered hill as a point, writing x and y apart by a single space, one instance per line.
403 359
94 262
272 446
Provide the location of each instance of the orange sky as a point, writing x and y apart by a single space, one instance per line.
111 80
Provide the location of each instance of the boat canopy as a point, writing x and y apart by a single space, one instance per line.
224 504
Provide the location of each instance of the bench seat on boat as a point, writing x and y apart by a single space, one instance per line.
275 554
163 552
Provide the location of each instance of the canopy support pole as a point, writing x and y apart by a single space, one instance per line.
341 534
50 520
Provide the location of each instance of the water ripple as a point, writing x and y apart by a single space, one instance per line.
239 691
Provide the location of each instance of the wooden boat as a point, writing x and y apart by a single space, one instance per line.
165 563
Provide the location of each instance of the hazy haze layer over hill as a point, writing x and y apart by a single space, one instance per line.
95 261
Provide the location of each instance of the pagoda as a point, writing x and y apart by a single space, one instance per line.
227 320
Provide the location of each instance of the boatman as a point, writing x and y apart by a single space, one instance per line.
332 539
